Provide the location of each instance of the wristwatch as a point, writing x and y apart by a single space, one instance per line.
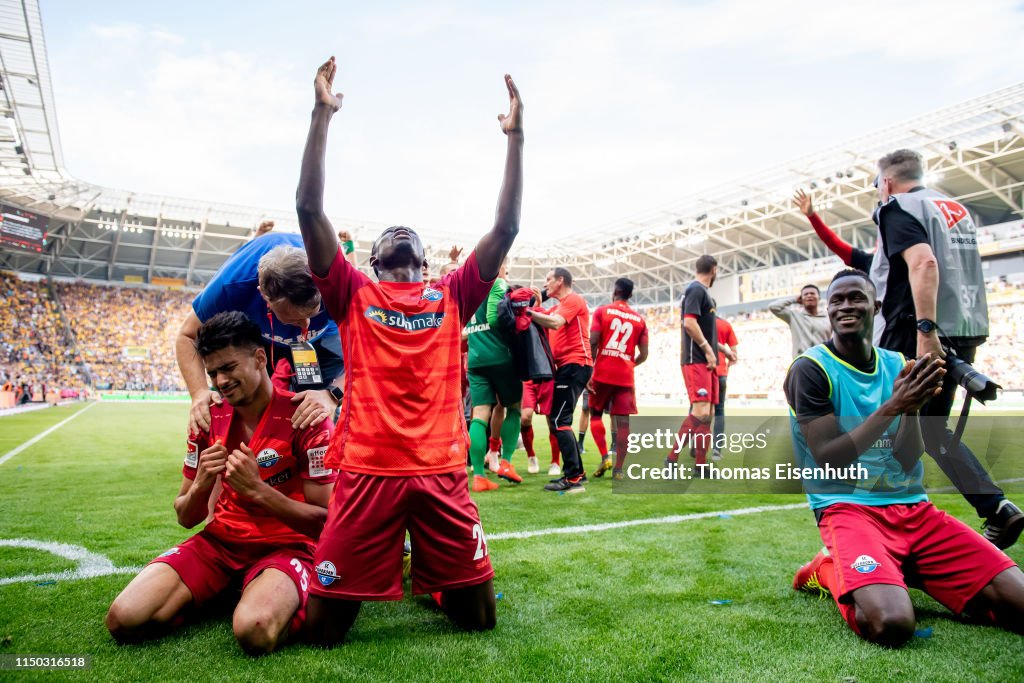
927 326
336 392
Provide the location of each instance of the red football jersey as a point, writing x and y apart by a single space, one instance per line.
402 413
726 335
285 457
571 342
622 330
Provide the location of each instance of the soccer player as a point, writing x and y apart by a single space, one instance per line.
268 489
567 324
727 356
618 342
492 377
699 359
909 206
807 325
537 399
268 279
401 440
855 407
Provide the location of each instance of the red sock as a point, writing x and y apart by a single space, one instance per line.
556 453
598 433
621 445
494 445
687 428
701 439
527 432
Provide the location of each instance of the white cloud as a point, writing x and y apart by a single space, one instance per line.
117 31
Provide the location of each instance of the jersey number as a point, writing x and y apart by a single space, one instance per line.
619 329
303 574
481 542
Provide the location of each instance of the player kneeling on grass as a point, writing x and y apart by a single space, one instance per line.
855 409
268 490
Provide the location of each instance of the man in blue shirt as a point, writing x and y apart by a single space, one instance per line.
855 420
268 279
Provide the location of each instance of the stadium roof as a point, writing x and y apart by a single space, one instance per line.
974 151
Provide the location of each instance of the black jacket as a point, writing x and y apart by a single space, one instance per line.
531 353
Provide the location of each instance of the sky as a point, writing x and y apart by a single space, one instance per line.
629 106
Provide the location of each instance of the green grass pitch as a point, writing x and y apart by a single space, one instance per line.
622 604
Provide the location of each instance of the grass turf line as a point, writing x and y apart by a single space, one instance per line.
626 604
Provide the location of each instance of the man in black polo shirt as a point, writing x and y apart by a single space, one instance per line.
935 298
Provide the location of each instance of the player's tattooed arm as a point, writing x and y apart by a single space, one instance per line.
494 246
318 234
192 504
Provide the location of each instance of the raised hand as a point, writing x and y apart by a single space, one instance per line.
513 121
803 202
454 253
324 83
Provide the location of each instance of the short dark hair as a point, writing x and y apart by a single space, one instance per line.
907 165
624 286
564 274
229 328
814 287
852 272
705 263
284 274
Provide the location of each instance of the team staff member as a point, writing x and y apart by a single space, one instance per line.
401 440
618 342
855 406
569 325
268 279
270 488
699 359
935 298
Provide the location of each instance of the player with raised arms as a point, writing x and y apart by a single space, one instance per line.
267 486
401 440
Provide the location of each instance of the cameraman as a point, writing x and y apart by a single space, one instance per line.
935 300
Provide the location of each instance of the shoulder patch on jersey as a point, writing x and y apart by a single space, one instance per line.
192 455
315 458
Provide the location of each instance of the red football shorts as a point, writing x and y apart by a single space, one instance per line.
359 556
914 545
207 566
538 396
613 399
701 383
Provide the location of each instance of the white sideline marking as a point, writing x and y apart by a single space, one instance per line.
89 564
10 454
671 519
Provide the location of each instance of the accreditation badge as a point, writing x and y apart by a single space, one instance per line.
306 365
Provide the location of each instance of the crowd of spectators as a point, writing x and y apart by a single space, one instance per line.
125 335
35 358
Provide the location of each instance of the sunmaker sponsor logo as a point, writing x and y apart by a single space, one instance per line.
411 323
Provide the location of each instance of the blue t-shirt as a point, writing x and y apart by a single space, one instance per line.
233 288
856 394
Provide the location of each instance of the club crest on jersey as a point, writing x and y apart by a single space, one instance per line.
268 457
865 564
172 551
326 572
702 392
431 294
410 323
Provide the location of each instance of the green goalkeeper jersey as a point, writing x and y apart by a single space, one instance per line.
486 347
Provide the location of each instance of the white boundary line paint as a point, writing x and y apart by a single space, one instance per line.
89 564
42 435
671 519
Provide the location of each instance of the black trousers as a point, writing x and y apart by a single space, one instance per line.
570 381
